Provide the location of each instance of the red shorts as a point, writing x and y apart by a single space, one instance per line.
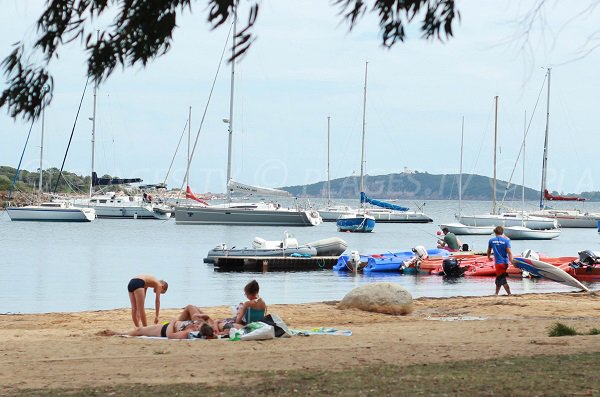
501 268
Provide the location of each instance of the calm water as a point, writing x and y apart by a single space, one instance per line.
49 267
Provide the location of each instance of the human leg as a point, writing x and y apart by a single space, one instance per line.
134 311
140 297
192 312
507 289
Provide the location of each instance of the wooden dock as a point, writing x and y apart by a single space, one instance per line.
273 264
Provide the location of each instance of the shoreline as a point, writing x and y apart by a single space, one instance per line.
64 350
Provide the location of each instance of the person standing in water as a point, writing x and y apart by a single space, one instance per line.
137 295
500 246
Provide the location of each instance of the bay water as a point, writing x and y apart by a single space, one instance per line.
66 267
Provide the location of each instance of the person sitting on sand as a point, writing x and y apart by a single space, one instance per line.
254 302
174 329
137 295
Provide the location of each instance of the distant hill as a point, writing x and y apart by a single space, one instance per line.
421 186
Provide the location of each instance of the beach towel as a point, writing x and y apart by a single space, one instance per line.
321 331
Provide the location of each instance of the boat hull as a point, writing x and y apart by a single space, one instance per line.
552 272
41 214
196 215
571 219
535 223
333 246
464 230
523 233
355 225
389 216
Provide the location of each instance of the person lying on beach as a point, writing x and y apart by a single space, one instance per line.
254 302
137 295
194 313
174 329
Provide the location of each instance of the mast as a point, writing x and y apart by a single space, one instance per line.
42 151
94 128
495 151
230 120
523 184
462 135
362 157
189 159
545 158
328 176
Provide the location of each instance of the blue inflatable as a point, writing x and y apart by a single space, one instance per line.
389 262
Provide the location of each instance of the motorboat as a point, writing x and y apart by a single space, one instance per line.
109 205
525 233
51 212
289 246
585 268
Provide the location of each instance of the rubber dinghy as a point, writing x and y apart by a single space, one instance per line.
543 269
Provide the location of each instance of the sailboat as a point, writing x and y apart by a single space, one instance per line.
47 211
231 213
459 228
359 221
332 212
522 232
108 204
567 218
505 218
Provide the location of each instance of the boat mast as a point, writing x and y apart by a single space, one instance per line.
523 183
495 151
42 151
462 135
94 129
362 157
230 121
189 159
545 158
328 176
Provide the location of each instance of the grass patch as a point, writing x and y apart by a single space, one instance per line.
556 375
594 331
158 352
560 329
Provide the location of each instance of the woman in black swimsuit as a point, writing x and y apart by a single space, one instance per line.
173 330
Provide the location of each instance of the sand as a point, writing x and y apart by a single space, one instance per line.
66 350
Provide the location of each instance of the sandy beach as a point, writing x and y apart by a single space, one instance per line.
66 350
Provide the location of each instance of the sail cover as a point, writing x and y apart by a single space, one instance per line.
190 195
255 190
112 181
550 197
366 199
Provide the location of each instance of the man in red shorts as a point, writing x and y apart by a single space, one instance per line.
500 245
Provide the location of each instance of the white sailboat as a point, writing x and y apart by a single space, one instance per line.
572 218
506 218
110 206
460 228
231 213
49 211
522 232
359 221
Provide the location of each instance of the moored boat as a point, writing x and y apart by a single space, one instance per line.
525 233
461 229
51 212
357 223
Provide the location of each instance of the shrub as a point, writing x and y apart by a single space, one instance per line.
560 329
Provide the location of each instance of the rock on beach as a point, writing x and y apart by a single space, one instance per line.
387 298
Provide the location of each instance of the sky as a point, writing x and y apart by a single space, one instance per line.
305 66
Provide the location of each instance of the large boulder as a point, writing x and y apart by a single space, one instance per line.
388 298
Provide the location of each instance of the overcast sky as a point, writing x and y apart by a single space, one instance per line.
305 66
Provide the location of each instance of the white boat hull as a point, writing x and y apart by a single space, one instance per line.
532 222
390 216
197 215
570 218
524 233
50 214
122 208
463 230
333 246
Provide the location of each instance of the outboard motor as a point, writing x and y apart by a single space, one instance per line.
531 254
451 267
354 261
420 252
588 258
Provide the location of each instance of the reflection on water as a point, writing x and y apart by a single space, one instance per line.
72 267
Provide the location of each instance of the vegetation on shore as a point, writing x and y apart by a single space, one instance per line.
542 375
